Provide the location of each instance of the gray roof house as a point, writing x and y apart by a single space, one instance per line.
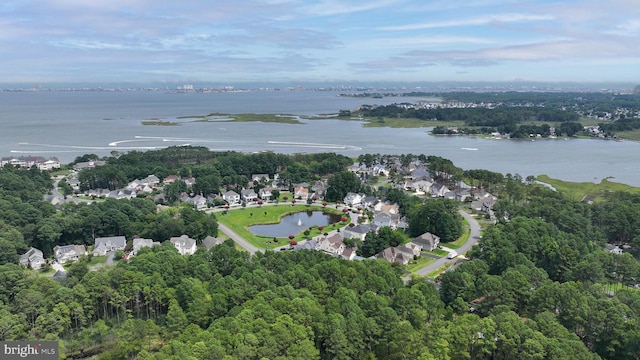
68 252
32 258
184 244
307 245
106 244
428 241
139 243
393 254
231 197
248 195
358 231
211 241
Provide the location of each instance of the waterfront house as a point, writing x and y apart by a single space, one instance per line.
358 231
265 193
353 199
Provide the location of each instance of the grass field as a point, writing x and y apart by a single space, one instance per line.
587 190
239 221
462 239
271 118
415 265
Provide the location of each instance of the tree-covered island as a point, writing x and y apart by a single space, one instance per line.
515 115
552 277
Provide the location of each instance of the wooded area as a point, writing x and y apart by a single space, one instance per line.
538 286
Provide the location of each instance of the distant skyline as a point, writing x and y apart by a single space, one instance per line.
318 41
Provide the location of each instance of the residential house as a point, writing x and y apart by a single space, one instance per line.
462 195
248 195
438 190
368 202
169 179
151 180
358 231
379 170
231 197
332 244
211 241
348 253
260 178
319 188
427 241
614 249
484 205
420 173
386 207
122 194
301 193
98 193
103 245
88 165
184 244
66 253
384 218
74 183
265 193
49 165
199 202
353 199
307 245
33 258
139 243
411 248
190 181
393 254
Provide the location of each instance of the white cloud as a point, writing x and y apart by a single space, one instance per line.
483 20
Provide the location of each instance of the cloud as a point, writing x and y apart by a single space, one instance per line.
483 20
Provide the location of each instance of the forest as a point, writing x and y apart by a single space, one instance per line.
537 286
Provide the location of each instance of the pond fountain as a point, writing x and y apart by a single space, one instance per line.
293 224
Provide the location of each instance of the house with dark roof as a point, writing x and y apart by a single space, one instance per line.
427 241
211 241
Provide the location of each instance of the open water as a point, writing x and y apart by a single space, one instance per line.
69 124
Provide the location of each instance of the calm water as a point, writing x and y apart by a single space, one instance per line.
69 124
295 223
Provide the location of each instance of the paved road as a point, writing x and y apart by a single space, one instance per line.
238 239
474 236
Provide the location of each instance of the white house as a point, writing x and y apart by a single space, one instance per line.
231 197
184 244
353 199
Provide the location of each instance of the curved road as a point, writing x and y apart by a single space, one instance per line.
238 239
474 236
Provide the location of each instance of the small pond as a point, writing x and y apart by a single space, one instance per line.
295 223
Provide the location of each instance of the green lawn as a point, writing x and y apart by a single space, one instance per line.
415 265
587 190
434 274
462 239
439 252
95 260
239 221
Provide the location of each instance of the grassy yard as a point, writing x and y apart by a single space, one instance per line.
415 265
587 190
462 239
434 274
239 221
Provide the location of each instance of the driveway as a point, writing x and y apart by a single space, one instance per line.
474 236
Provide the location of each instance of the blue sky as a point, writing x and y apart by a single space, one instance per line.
335 41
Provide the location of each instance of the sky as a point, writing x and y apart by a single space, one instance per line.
221 42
